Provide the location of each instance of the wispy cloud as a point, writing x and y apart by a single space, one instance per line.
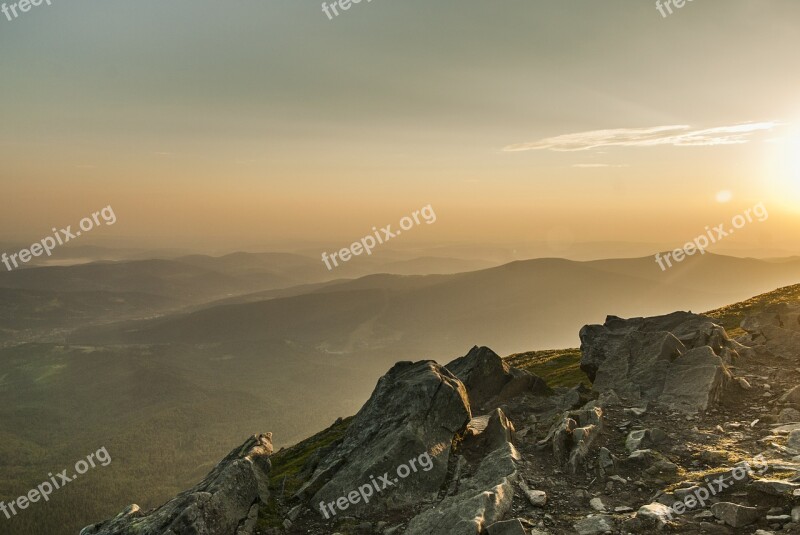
676 135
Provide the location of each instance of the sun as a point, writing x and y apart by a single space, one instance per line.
783 165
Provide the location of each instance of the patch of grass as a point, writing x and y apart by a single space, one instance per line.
286 467
558 367
731 316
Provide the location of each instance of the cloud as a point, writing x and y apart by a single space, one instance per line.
676 135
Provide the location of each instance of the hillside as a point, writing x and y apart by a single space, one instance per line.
689 432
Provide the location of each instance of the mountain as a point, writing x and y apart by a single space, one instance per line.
166 394
535 303
669 436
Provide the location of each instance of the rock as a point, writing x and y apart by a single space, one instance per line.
775 487
226 501
595 525
414 408
678 359
537 498
735 515
794 439
789 415
779 519
792 396
485 497
490 380
775 331
597 504
506 527
606 460
654 515
796 514
644 439
742 382
572 436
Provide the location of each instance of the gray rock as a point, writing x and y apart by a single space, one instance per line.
572 436
654 515
595 525
597 504
226 501
537 498
643 439
775 487
606 460
483 498
678 359
490 381
788 416
794 439
506 527
792 396
415 411
735 515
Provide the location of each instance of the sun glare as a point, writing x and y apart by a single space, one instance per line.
784 167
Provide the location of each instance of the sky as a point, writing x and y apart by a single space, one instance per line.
265 124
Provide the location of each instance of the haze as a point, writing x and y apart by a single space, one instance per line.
264 125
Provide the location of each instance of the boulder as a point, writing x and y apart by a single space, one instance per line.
595 525
226 501
654 515
507 527
735 515
678 359
484 497
415 411
775 330
490 381
572 436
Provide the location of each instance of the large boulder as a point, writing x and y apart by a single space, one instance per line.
226 501
414 413
490 381
775 330
483 490
572 435
678 359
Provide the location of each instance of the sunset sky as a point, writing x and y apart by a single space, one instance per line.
259 124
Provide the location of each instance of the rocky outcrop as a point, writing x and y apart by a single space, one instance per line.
678 359
572 436
226 501
490 381
775 331
484 493
415 409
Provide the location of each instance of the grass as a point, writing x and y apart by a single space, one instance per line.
558 367
286 466
731 316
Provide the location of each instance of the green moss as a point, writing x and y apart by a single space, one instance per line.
558 367
286 467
